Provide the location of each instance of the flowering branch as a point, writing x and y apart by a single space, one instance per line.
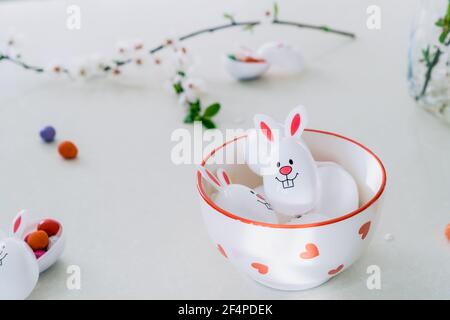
20 63
187 91
183 90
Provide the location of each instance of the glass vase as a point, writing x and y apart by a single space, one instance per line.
428 61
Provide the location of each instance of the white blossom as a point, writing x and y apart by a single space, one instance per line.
192 90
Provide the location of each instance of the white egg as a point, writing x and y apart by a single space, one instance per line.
246 203
19 271
282 55
238 199
338 191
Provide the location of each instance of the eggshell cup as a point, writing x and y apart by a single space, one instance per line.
52 255
242 70
297 257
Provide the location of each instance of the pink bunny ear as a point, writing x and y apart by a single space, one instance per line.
208 176
266 126
223 177
296 122
19 223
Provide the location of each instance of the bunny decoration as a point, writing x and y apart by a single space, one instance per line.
19 265
294 183
291 180
239 199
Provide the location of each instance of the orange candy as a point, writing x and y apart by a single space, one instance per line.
68 150
252 60
38 240
447 231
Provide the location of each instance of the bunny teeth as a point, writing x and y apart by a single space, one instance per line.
289 182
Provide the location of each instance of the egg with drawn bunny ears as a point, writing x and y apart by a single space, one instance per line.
291 181
19 271
19 265
238 199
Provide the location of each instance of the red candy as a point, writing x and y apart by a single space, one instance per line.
51 227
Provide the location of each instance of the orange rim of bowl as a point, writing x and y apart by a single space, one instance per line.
295 226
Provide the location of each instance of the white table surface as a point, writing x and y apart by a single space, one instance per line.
132 217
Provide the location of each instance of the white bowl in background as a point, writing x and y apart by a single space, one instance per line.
242 70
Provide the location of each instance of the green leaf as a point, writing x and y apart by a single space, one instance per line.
275 10
444 34
188 119
208 124
229 16
181 73
212 110
195 107
248 27
440 23
178 88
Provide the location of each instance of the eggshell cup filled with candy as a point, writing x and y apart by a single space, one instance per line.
296 256
51 252
245 67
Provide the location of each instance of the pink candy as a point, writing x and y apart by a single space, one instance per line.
39 253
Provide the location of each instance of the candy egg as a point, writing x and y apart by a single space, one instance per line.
68 150
247 68
447 231
38 240
51 227
48 134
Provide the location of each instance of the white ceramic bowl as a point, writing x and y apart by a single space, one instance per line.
297 257
245 70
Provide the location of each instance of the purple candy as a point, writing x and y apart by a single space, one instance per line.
48 134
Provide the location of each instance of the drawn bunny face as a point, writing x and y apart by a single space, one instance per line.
19 271
291 183
239 199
